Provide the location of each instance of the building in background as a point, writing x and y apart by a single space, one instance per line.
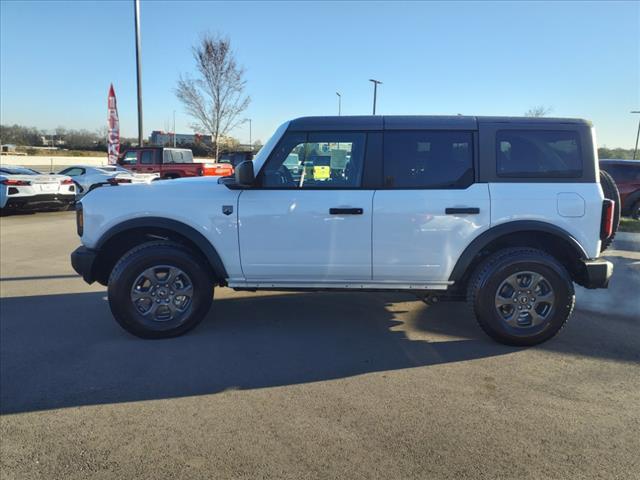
161 139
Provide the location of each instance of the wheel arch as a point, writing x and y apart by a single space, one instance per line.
122 237
521 233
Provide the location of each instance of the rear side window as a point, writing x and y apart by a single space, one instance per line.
428 159
538 154
147 157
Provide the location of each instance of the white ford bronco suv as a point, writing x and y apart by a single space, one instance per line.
508 213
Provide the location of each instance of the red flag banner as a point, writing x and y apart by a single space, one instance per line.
113 140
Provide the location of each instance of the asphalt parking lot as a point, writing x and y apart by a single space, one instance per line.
318 385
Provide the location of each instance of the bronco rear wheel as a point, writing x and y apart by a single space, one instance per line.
159 290
521 296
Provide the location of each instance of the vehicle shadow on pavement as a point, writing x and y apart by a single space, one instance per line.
66 350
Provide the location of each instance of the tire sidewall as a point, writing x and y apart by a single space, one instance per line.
125 274
498 328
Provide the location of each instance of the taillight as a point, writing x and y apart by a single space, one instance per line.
606 226
16 183
67 181
79 219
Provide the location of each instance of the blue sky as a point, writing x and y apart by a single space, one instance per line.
57 60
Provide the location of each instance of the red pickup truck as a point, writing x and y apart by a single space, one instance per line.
170 163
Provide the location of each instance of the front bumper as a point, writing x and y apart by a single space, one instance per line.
82 260
596 273
36 202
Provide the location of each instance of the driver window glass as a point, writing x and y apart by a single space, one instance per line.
321 160
130 158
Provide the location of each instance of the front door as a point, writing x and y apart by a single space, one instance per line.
430 209
308 220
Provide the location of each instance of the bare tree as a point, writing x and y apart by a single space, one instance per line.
538 111
215 98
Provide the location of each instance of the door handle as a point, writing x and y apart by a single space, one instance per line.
468 210
345 211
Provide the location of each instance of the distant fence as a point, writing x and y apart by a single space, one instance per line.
44 163
47 164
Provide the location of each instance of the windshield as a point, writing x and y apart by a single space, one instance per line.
264 152
18 171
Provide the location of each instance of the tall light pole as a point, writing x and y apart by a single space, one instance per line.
635 150
339 103
136 10
249 120
375 92
174 129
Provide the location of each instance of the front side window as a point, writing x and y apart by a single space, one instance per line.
538 154
316 160
130 158
428 159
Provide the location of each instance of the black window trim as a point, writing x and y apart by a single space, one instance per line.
462 186
526 176
363 184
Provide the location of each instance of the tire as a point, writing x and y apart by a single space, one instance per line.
133 277
611 192
635 211
488 286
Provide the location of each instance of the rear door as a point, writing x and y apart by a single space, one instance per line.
308 220
148 161
430 207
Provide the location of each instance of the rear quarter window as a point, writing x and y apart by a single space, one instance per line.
538 154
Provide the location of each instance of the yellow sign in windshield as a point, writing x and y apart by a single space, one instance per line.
321 172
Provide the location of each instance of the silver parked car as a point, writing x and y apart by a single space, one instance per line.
23 188
87 177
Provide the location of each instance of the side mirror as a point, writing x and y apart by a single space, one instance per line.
244 174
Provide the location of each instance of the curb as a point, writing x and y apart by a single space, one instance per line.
628 237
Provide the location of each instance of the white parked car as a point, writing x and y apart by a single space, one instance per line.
507 213
22 188
88 177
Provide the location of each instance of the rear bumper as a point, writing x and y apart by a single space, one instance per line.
35 202
82 260
596 273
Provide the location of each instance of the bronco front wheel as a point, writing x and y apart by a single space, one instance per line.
159 290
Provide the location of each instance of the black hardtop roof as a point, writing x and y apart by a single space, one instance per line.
416 122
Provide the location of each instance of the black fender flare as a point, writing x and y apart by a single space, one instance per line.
180 228
503 229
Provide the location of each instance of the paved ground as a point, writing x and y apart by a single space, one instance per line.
305 385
